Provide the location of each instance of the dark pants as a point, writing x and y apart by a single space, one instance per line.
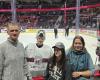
56 33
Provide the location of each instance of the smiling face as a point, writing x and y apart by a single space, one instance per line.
78 46
40 40
78 43
13 31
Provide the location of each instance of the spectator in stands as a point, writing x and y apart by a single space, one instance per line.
38 54
58 67
80 59
13 65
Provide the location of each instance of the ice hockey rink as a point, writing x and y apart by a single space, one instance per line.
26 38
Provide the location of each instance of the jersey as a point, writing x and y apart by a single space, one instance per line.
39 58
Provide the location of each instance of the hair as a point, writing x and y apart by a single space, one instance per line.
61 62
12 24
81 39
41 33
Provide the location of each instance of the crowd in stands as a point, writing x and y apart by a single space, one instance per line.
88 17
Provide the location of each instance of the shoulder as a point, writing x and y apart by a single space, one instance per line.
68 51
88 55
3 44
20 43
30 45
47 46
50 60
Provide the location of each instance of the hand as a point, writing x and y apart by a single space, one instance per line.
76 74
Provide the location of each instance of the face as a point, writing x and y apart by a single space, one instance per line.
78 45
57 53
13 32
40 40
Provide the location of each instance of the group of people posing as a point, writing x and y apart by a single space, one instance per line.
38 59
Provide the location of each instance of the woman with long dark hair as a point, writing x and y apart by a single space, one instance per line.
58 67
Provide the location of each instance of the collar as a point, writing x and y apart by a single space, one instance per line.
39 46
83 51
13 42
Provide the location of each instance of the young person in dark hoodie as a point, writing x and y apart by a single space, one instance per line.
58 67
80 59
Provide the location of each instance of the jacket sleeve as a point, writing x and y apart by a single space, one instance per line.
90 65
1 63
